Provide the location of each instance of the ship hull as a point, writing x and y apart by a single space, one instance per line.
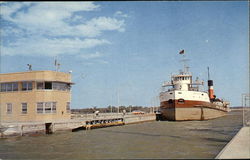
190 110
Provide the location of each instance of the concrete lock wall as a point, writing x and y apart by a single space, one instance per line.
139 118
21 129
66 126
13 129
35 128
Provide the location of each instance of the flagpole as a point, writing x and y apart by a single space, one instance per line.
185 67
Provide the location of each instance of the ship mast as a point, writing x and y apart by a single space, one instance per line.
208 75
184 60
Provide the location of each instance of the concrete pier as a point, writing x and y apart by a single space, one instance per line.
238 147
77 121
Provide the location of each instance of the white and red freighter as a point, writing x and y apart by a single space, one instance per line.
181 99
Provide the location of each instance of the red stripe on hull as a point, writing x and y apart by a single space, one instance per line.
186 104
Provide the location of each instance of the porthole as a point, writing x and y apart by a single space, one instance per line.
170 101
181 101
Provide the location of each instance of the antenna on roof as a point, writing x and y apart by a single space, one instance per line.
57 65
30 67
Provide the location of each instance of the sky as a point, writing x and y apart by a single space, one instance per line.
121 52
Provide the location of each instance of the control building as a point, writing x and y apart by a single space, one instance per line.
35 96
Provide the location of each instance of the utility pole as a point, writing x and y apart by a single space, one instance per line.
118 101
111 103
245 118
0 116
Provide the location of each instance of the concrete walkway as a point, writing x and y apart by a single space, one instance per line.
238 147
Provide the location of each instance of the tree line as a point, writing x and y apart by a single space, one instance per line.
110 109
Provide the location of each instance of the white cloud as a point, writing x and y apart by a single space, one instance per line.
120 14
91 56
53 18
50 47
95 26
8 9
48 10
11 31
76 18
102 61
106 23
52 28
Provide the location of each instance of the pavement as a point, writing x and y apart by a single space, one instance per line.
238 147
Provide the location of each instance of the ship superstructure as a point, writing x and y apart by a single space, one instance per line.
182 98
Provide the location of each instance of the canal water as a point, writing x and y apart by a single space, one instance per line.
158 139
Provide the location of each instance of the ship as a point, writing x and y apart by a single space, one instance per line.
182 98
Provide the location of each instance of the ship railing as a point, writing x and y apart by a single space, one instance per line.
166 84
194 89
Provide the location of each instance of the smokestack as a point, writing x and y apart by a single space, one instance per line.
210 86
210 89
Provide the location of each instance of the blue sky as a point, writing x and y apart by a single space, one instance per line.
128 48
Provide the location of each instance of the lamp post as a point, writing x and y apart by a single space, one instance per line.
0 116
244 98
118 101
111 103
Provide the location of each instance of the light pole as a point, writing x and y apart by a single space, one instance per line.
111 103
118 101
0 116
244 98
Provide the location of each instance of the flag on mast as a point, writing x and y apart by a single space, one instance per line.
181 52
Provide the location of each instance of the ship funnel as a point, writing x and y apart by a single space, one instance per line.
210 89
210 86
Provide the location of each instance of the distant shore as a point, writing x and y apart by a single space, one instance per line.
237 108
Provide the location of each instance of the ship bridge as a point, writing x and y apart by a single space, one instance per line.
183 82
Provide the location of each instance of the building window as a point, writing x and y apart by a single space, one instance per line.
9 108
48 107
3 87
24 108
39 107
54 107
39 85
8 87
48 85
26 86
53 85
14 86
60 86
68 107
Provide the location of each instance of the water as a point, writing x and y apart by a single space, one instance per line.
159 139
